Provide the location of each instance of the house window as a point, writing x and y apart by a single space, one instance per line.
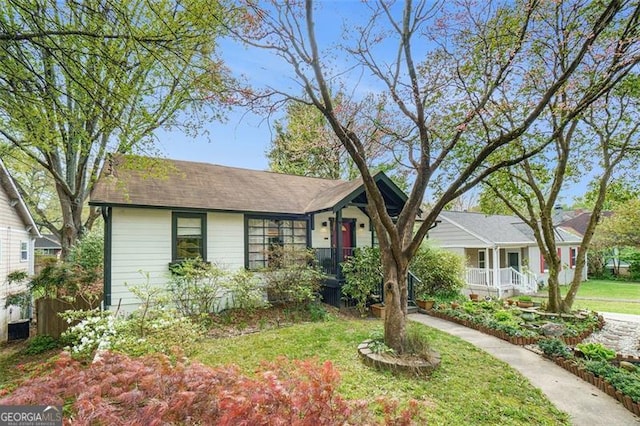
189 236
24 251
482 261
543 263
267 235
573 253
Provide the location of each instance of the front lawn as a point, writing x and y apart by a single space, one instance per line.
605 289
470 387
619 296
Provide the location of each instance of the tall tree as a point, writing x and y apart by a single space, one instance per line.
605 138
81 78
305 144
449 75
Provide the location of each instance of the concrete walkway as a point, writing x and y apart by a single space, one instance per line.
585 404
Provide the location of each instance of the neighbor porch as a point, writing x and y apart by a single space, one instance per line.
499 271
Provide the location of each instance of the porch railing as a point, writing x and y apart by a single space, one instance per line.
329 260
412 281
525 282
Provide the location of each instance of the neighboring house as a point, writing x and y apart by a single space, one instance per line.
579 220
48 245
160 211
18 232
501 253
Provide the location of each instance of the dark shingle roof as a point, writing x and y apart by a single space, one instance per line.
141 181
48 241
580 222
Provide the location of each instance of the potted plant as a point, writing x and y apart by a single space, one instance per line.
377 309
525 302
425 303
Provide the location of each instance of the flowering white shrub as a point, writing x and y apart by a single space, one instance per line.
161 331
95 329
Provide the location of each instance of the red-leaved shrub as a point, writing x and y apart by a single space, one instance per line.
118 390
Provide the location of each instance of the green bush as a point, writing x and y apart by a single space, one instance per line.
78 278
441 272
246 291
151 329
88 251
40 344
363 274
294 277
554 347
624 381
196 287
596 351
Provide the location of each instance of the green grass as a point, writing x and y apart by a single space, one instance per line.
606 289
470 387
618 295
603 306
16 366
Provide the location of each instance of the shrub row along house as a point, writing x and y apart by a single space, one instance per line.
18 232
159 211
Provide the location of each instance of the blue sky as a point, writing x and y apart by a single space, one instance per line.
243 139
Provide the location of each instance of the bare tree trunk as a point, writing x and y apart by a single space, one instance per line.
71 221
395 302
555 302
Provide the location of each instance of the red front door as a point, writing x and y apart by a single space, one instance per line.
348 242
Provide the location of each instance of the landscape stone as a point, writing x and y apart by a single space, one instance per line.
552 330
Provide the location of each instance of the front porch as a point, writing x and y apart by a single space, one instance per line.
504 282
499 271
329 260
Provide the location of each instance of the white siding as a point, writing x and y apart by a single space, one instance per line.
141 242
225 240
447 235
12 234
566 274
321 237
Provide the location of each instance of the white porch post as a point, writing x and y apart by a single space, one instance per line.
487 268
496 270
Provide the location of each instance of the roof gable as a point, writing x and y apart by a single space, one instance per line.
16 200
501 229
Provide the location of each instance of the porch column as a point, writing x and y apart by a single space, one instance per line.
487 268
339 242
496 269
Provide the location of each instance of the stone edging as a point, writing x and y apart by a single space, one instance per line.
382 362
600 383
514 340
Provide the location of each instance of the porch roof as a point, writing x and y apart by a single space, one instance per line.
135 181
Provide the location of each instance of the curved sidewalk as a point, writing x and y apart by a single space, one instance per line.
585 404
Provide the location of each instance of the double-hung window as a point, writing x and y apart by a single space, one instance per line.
24 251
573 253
189 236
266 236
482 261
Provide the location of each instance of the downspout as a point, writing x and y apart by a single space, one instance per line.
106 216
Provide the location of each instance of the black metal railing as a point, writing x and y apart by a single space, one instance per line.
412 280
329 261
